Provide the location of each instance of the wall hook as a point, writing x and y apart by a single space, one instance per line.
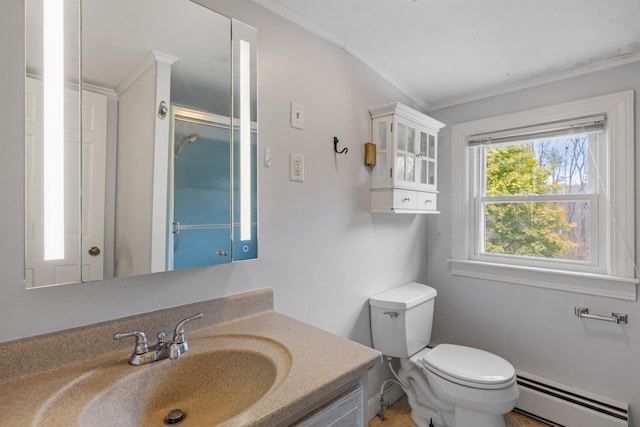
345 150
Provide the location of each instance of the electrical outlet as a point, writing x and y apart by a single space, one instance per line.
296 167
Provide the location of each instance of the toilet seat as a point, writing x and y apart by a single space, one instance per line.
469 366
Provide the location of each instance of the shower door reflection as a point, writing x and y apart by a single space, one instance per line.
200 209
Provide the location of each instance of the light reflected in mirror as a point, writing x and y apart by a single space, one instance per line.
52 143
126 186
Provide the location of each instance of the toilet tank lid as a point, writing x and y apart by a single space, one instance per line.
403 297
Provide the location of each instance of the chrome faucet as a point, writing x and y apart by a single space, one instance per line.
143 354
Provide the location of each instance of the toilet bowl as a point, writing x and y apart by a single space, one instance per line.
480 385
447 385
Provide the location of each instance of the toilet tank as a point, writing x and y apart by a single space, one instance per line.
401 319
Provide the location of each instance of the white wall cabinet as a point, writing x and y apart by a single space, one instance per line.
404 179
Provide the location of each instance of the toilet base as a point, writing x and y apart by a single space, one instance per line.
465 418
426 409
422 422
462 418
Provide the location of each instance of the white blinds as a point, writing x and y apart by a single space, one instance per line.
548 130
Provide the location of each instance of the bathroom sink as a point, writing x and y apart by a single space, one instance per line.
219 378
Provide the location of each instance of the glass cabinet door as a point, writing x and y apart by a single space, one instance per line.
406 153
381 156
427 159
422 156
431 161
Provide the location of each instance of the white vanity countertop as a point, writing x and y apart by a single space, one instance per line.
322 364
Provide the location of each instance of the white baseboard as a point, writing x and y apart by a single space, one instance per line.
391 395
568 406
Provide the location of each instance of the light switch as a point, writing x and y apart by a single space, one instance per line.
297 115
267 157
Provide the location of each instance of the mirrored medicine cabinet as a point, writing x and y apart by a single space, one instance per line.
140 139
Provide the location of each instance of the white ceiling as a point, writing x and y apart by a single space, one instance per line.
442 52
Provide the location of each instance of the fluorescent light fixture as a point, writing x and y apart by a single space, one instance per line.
53 81
245 140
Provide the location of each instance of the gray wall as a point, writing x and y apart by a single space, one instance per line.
320 249
536 328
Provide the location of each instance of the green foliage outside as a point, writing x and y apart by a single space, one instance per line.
535 229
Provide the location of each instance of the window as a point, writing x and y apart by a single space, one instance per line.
536 197
545 197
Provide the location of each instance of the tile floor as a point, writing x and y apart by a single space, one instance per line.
397 415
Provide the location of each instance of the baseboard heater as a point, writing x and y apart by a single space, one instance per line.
565 406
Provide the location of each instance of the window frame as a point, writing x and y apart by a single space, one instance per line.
614 273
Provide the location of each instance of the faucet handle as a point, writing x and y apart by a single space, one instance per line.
142 346
178 334
174 351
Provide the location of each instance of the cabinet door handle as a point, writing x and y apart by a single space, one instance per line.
406 199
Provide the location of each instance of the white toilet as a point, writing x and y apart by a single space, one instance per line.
448 385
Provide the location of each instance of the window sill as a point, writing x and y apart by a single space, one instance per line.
582 283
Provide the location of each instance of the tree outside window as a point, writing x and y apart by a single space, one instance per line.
515 222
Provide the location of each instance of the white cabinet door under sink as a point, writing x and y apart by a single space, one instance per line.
345 411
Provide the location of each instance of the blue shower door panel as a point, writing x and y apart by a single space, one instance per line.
198 206
200 247
202 195
202 174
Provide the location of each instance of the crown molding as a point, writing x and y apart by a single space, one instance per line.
538 81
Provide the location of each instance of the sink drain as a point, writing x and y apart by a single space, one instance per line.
175 416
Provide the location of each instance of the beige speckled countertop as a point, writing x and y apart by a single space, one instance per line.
321 364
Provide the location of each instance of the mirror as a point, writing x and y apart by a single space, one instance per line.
162 174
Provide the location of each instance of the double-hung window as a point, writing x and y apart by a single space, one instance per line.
536 196
545 197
